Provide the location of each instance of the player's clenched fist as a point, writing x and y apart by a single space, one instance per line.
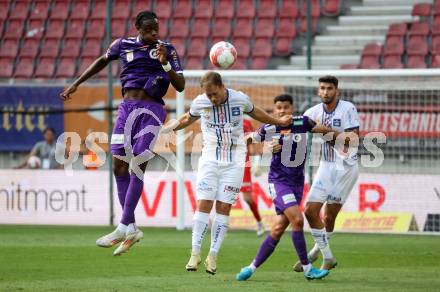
65 95
162 54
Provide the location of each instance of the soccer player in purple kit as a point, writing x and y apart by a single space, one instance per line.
148 67
286 184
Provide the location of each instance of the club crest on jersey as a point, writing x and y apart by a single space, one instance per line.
235 111
153 54
130 56
336 122
297 138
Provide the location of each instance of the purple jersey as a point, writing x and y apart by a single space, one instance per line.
141 68
287 166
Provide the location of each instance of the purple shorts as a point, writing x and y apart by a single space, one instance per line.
285 196
143 118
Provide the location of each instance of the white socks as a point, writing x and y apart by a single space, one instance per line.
218 232
200 226
321 240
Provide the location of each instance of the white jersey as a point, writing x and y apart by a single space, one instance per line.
343 118
222 126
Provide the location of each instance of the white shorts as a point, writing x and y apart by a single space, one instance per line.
333 185
219 181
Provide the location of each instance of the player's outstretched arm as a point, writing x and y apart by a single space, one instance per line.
179 124
94 68
260 115
177 80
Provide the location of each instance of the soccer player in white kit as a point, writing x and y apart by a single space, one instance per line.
338 168
221 166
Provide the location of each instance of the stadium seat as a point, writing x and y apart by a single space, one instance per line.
392 62
96 29
99 10
225 9
203 9
197 48
394 46
179 45
66 68
303 25
20 10
183 9
435 63
60 10
14 30
180 28
40 10
267 9
200 28
163 9
55 29
242 47
348 66
50 48
315 5
121 10
286 29
6 67
397 29
415 47
35 29
436 45
80 9
419 28
259 63
140 5
370 62
416 61
103 73
29 48
84 63
283 46
372 49
75 29
262 48
240 64
264 28
45 68
246 9
119 28
24 68
194 63
4 13
91 48
71 48
436 8
243 28
221 29
435 28
331 7
9 48
422 10
288 9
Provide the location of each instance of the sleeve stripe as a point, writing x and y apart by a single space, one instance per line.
195 116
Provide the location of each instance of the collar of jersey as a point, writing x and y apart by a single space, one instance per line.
323 107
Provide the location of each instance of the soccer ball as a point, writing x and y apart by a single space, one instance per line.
223 55
34 162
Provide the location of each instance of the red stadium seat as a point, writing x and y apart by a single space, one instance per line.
132 31
164 30
435 63
163 9
120 10
6 67
242 47
436 45
14 30
4 12
180 28
393 48
197 48
118 28
419 28
436 25
179 44
203 9
84 63
66 68
45 68
417 39
50 48
29 48
103 73
259 63
40 10
183 9
316 8
96 29
99 10
372 49
243 28
75 29
303 25
194 63
416 61
348 66
397 29
283 46
264 28
288 9
55 29
392 62
71 48
221 29
92 48
225 9
240 64
331 7
9 48
24 68
141 5
20 10
35 29
200 28
80 9
286 29
421 9
415 47
370 62
246 9
436 8
60 10
262 48
267 9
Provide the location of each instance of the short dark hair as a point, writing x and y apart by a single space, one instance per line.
144 16
283 97
49 129
329 79
212 78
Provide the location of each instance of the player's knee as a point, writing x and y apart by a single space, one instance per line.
277 231
298 223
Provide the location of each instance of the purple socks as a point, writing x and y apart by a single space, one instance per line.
132 197
299 242
266 249
122 183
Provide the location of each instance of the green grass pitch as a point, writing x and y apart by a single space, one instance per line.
55 258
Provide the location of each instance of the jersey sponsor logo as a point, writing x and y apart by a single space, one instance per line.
231 189
235 111
298 123
130 56
333 198
222 126
336 122
289 198
153 54
117 139
203 186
